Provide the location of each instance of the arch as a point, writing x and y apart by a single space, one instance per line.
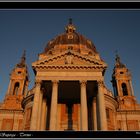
16 88
124 89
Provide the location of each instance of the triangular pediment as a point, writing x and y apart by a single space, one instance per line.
69 58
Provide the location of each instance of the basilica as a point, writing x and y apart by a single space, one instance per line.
69 92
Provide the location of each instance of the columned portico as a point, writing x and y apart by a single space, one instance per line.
74 92
69 92
54 100
35 110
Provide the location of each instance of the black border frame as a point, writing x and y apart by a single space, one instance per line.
72 6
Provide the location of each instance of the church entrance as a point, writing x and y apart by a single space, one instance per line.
69 108
69 99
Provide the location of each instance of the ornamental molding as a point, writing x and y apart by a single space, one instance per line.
128 111
4 111
68 59
69 67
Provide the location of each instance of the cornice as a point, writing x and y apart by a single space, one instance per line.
86 58
128 111
10 111
69 67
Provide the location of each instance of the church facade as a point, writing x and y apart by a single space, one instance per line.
69 91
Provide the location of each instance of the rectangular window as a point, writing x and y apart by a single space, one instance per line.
132 125
107 113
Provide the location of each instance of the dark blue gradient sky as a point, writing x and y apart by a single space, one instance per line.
30 30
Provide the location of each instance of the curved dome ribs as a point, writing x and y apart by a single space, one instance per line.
70 37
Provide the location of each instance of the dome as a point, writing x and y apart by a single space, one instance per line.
70 37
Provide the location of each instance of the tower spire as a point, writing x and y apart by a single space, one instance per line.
70 20
22 61
118 62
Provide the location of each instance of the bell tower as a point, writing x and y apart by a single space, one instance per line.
122 84
18 85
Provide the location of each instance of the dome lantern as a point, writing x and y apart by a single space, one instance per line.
70 28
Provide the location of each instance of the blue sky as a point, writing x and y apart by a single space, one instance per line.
109 30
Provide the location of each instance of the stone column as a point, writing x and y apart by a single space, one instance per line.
101 107
53 112
9 87
118 89
84 115
44 114
40 110
35 110
26 90
94 114
132 91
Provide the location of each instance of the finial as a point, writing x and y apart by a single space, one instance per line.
118 63
24 53
23 56
22 61
117 57
70 28
70 20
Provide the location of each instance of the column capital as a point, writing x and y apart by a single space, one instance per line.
38 81
55 82
100 83
83 82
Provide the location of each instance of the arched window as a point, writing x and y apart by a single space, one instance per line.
16 88
107 114
124 89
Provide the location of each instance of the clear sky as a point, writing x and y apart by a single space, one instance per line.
109 30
